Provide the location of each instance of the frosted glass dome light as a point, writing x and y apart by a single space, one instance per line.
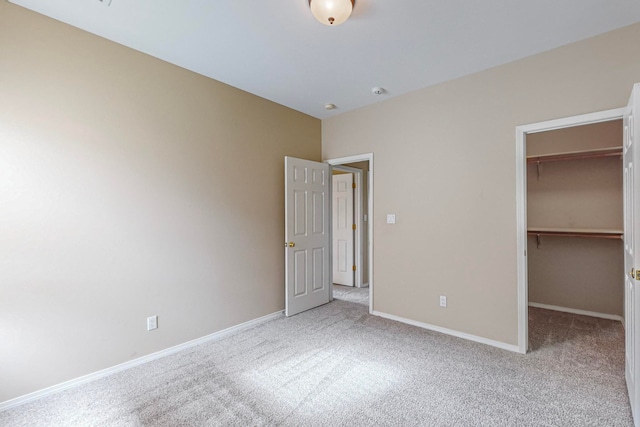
331 12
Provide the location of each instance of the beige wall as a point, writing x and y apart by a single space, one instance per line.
581 273
359 165
576 138
582 194
445 165
129 187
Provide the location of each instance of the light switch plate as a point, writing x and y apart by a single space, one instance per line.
391 218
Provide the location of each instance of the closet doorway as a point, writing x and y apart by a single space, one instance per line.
570 249
600 226
575 224
630 274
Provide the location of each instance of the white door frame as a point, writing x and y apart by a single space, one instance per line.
358 220
363 158
521 203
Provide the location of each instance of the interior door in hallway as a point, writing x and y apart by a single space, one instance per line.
307 235
343 224
631 159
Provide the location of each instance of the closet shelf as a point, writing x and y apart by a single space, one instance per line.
576 232
574 155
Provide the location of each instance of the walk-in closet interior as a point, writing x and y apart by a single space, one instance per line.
575 220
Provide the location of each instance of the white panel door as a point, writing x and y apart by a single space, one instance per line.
342 196
631 159
307 234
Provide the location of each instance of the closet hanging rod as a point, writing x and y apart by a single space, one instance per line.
589 234
583 234
574 155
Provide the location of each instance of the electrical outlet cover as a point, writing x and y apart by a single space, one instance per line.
152 323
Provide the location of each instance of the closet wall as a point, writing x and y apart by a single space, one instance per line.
582 273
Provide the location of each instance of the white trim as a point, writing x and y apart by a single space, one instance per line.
368 157
370 231
521 202
475 338
576 311
330 284
357 215
567 122
21 400
521 241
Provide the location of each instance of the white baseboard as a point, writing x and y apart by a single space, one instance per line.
452 332
21 400
576 311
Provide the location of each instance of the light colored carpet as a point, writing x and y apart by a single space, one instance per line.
338 366
351 294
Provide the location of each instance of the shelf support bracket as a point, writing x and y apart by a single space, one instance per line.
538 240
538 168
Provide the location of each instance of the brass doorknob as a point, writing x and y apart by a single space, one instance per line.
291 244
633 273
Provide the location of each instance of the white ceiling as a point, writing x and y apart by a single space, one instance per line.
277 50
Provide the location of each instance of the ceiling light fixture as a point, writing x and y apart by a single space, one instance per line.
331 12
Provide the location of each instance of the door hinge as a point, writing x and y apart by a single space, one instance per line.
353 185
354 226
354 268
